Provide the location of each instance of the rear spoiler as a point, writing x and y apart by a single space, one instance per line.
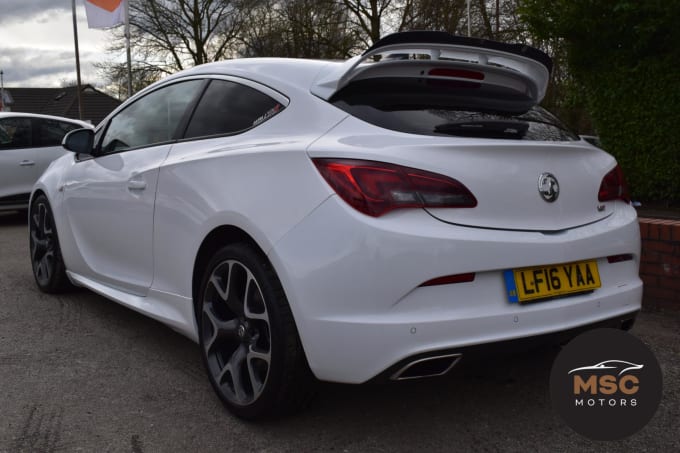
517 66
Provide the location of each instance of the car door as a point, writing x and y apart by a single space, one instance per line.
47 136
109 197
17 160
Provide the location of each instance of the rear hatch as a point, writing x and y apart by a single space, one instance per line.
475 121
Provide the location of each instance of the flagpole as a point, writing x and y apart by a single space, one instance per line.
468 17
127 48
75 38
2 91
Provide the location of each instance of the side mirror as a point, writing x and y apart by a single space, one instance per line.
80 141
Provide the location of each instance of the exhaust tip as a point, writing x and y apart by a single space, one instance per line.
427 367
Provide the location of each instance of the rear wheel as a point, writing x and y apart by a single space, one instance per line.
48 266
249 342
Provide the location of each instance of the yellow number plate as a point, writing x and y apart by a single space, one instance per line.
532 283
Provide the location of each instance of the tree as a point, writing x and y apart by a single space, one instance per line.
171 35
181 33
299 29
623 55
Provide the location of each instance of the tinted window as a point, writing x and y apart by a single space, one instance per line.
466 109
228 108
15 133
51 132
151 119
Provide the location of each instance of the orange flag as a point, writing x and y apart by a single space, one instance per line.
105 13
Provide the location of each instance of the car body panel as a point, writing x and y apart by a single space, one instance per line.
502 174
354 283
117 189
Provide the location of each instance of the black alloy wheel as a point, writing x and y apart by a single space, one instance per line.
249 342
46 260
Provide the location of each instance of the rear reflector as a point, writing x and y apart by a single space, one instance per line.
620 258
450 279
376 188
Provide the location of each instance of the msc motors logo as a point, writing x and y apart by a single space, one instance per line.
604 398
599 385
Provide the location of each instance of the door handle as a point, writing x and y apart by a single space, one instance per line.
136 184
26 163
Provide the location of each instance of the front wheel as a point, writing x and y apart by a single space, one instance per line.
48 266
249 341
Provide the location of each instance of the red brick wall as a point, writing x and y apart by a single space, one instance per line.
660 263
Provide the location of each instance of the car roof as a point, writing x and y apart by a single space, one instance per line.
47 117
281 74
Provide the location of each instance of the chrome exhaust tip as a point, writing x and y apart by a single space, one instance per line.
427 367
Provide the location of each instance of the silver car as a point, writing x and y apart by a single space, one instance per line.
28 144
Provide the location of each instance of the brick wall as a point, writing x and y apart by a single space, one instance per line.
660 263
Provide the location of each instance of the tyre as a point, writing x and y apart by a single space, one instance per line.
46 260
249 343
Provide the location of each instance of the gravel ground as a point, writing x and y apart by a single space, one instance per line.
80 373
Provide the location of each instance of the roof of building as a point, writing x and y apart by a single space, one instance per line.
63 102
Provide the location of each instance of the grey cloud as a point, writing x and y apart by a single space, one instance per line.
37 67
19 10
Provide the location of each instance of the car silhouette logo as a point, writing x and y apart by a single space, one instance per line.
610 365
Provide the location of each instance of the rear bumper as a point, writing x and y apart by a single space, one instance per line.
353 283
520 345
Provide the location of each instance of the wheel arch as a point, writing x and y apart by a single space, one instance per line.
36 193
218 237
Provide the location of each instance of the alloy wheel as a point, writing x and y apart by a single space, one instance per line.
236 333
43 244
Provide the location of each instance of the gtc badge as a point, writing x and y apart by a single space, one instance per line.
548 187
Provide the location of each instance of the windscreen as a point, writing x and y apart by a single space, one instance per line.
429 106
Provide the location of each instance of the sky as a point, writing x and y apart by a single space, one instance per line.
37 46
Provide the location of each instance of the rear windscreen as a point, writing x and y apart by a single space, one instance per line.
428 106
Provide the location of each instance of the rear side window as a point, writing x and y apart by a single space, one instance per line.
15 133
449 108
229 108
51 132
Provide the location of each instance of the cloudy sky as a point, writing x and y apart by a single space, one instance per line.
36 43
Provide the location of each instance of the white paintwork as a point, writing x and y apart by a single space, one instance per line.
508 69
115 190
20 168
352 280
502 174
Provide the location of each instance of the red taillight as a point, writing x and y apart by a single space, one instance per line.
376 188
614 186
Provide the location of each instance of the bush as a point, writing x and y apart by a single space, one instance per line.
625 56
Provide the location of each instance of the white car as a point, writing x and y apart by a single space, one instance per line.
28 144
343 221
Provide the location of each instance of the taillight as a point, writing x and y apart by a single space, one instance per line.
376 188
614 186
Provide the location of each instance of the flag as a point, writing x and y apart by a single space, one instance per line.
105 13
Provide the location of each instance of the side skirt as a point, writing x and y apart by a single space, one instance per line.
171 309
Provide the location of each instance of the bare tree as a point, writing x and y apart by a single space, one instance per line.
170 35
182 33
298 28
374 18
440 15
